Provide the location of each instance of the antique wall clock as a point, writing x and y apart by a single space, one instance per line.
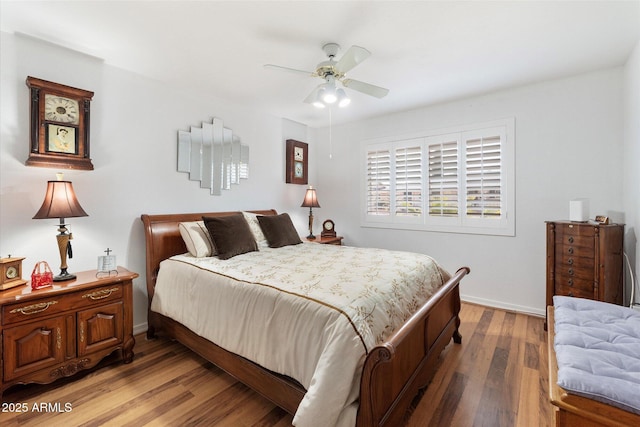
296 162
59 133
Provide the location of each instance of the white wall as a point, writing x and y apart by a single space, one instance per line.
134 124
569 143
569 137
631 185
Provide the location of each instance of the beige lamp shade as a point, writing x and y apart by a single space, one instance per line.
60 202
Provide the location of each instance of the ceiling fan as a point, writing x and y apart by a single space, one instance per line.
332 71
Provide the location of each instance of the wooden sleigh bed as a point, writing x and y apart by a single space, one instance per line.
393 371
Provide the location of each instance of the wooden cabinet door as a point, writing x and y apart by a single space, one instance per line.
100 328
33 346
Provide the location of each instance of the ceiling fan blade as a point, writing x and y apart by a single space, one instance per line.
313 95
369 89
352 57
292 70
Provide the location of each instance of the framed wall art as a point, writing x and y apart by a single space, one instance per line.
297 162
59 125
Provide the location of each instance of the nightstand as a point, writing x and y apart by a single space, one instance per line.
327 240
57 331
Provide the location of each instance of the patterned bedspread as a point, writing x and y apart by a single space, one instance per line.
308 311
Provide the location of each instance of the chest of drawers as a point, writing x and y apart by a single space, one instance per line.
585 260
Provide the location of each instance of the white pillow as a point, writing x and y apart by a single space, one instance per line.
196 238
256 230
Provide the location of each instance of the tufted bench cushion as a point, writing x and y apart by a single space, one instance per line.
597 347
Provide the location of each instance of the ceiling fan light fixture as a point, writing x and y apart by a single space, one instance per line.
343 99
329 96
318 102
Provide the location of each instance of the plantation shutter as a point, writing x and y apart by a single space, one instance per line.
379 182
408 180
459 179
443 178
484 179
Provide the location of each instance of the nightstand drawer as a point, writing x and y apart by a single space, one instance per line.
14 313
102 295
33 309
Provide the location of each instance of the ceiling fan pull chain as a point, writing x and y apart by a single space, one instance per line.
330 137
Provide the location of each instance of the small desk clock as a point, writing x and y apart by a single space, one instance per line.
11 272
328 229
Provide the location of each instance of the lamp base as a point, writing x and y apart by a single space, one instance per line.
311 237
64 276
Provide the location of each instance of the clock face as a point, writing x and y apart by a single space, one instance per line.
61 109
328 225
12 272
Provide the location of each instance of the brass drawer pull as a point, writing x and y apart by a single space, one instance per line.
34 308
102 294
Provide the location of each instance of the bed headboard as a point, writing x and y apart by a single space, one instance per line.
163 240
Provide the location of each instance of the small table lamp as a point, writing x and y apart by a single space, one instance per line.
60 202
310 201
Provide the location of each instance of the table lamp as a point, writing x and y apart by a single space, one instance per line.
310 201
60 202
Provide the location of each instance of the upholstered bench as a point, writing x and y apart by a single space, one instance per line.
594 363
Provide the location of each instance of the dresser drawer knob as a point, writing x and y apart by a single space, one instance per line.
571 239
570 261
570 250
34 308
570 282
571 272
102 294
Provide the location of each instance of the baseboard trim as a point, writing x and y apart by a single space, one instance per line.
501 305
138 329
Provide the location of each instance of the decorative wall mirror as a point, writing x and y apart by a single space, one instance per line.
213 155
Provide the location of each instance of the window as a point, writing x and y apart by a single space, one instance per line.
378 181
456 180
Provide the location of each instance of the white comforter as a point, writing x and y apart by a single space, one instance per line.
308 311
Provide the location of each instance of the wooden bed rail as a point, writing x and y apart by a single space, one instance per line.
406 361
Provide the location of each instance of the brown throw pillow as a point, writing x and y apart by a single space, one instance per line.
279 230
231 235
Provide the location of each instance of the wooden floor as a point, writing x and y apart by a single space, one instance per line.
496 377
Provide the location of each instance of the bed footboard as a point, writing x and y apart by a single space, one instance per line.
396 370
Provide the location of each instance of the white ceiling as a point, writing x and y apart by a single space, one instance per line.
425 52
